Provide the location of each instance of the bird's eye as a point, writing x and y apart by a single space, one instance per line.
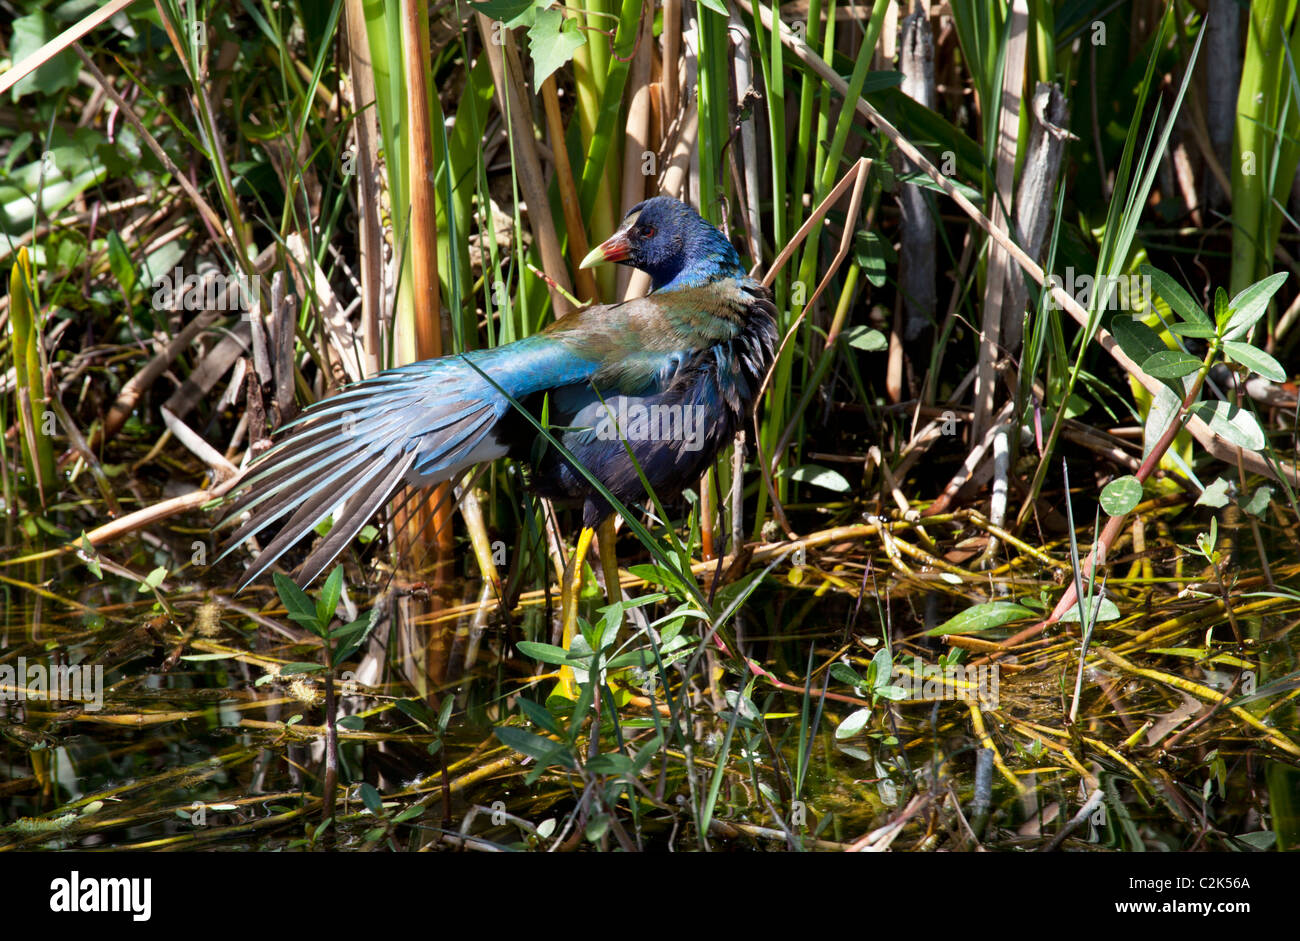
648 232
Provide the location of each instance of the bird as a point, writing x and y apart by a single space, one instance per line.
669 376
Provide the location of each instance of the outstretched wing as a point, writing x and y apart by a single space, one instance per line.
419 424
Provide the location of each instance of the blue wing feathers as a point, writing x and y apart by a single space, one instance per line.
419 423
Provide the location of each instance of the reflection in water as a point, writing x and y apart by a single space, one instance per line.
172 715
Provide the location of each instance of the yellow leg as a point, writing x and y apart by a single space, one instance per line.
605 545
570 594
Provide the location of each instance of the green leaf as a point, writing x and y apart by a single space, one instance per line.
159 264
923 180
1105 612
330 593
1179 301
544 750
661 575
632 658
510 12
419 711
1120 495
853 723
539 716
1222 309
1165 407
1254 359
410 813
295 669
612 616
982 617
1196 330
1259 501
847 675
153 579
370 797
1260 839
59 72
1170 364
546 653
596 828
881 671
873 254
1235 425
647 751
1216 494
552 40
612 763
91 556
119 262
1251 304
862 337
926 127
296 603
820 476
1136 339
743 705
350 636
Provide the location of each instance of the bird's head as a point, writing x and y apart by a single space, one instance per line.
669 241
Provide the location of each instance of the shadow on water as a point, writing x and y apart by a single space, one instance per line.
159 712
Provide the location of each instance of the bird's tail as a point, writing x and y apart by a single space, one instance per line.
419 424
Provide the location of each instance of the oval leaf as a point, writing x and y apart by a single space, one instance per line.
853 723
1248 306
535 746
1233 424
982 617
1105 612
820 476
370 797
1170 364
1255 360
846 674
862 337
1120 495
1136 339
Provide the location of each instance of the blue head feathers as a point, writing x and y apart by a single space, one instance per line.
669 241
